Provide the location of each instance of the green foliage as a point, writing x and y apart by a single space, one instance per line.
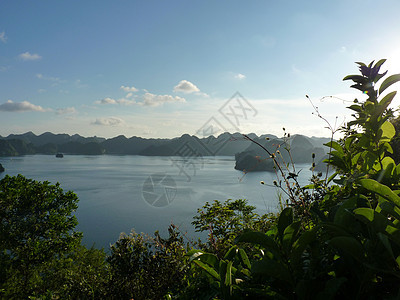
40 251
36 227
339 238
142 267
224 221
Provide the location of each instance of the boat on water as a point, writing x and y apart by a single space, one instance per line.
59 155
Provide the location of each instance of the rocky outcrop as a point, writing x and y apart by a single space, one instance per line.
254 158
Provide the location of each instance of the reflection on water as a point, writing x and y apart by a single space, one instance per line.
110 189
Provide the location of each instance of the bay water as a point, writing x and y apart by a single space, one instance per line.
146 193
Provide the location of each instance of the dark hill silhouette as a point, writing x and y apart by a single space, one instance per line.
254 158
226 144
15 147
51 138
132 146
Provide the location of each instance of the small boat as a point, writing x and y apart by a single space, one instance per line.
60 155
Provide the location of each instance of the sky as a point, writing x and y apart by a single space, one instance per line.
160 69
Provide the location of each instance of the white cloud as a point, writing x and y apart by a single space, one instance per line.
65 111
3 37
27 56
186 87
157 100
49 78
111 121
109 100
124 101
129 95
11 106
128 89
240 76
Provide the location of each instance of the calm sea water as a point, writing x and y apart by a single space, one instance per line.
120 193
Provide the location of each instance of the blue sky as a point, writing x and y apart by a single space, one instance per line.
165 68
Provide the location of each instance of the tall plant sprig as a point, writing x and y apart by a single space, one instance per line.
361 153
333 129
298 197
277 167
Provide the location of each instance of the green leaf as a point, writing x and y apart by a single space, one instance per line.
244 258
386 243
388 207
380 63
300 245
355 107
398 261
194 254
334 145
384 103
388 130
228 275
230 254
208 269
356 78
290 234
342 215
285 219
355 158
208 258
388 162
367 213
271 268
348 245
336 229
380 189
361 64
388 82
377 221
255 237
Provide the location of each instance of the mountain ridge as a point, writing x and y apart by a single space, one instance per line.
249 156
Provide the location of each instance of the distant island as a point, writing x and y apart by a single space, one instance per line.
248 155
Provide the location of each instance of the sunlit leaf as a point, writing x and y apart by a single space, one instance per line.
388 130
380 189
388 82
208 269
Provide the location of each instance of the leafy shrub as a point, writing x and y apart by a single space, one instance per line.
224 221
40 251
142 267
339 238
